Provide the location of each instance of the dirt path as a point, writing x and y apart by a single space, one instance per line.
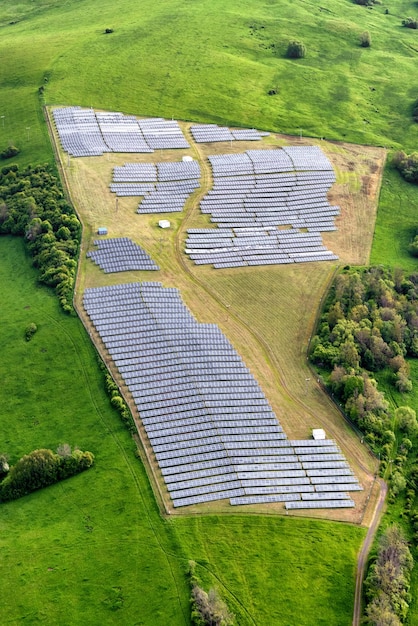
362 558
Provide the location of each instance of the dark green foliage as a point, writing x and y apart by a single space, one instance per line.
30 330
415 111
117 401
108 31
32 205
295 50
365 3
41 468
9 152
388 581
370 324
365 39
407 164
410 22
413 246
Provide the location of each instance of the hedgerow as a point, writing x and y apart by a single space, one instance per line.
33 206
41 468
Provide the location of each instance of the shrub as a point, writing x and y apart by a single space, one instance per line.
365 40
364 3
41 468
296 50
9 152
410 22
407 164
30 330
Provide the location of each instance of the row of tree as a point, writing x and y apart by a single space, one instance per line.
32 205
41 468
388 580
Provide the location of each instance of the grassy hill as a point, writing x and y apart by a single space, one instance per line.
211 61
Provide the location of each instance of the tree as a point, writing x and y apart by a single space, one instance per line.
9 152
30 330
407 419
410 22
398 483
211 609
295 50
365 39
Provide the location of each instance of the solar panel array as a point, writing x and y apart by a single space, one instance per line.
120 255
256 193
212 431
84 132
207 133
164 186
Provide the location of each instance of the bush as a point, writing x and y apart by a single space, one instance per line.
365 40
295 50
41 468
410 22
30 330
9 152
407 164
364 3
413 246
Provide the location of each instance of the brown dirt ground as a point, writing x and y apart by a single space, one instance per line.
272 331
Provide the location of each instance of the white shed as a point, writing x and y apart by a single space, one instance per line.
187 159
164 224
318 433
102 230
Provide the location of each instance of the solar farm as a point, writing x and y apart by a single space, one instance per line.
120 255
207 424
85 132
212 431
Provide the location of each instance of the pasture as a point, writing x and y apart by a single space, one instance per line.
208 62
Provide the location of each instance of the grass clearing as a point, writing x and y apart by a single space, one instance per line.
397 222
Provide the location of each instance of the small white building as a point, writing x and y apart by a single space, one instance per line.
164 224
318 433
102 230
187 159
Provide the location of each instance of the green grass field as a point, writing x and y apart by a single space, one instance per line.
94 549
208 61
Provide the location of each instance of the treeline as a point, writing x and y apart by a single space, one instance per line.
41 468
32 205
388 580
370 324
